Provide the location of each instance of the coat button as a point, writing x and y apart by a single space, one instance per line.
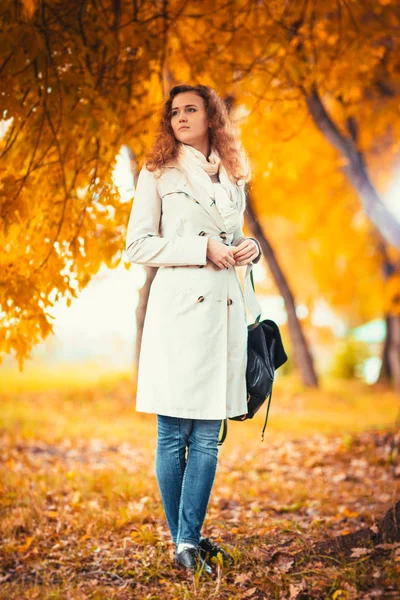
200 299
223 235
229 302
202 233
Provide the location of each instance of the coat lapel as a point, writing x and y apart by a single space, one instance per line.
201 195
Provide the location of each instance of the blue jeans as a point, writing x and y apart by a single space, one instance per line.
185 478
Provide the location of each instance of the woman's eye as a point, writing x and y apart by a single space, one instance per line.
173 114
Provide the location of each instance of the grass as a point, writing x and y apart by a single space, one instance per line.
90 402
37 376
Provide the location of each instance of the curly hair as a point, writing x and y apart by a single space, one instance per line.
221 133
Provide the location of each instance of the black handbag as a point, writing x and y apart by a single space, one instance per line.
265 354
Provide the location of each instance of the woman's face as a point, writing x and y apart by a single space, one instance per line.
188 118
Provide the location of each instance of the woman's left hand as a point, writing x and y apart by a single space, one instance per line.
246 252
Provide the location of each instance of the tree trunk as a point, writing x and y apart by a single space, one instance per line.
375 209
355 170
150 274
385 375
141 308
386 531
302 355
394 350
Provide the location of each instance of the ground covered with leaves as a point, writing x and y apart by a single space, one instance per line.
81 515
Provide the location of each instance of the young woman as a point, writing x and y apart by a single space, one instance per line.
187 219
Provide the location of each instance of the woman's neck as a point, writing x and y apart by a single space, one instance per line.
202 146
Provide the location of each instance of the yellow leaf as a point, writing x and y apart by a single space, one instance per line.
24 547
340 595
76 498
351 514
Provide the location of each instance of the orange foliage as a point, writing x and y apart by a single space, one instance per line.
79 79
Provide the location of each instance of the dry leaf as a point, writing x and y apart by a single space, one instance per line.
340 595
249 593
76 498
296 589
242 578
374 529
357 552
283 563
388 546
24 547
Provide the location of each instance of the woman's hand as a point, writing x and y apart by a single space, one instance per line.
246 252
220 254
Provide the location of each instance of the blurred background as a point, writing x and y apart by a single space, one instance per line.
313 91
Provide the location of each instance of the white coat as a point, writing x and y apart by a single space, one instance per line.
194 344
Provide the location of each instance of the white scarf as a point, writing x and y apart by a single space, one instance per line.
224 193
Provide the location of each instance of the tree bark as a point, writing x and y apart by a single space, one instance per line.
394 350
141 308
302 355
386 531
355 170
385 375
150 274
375 209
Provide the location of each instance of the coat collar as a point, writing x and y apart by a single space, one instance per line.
199 193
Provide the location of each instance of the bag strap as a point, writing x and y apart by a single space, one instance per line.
224 432
250 293
225 424
266 416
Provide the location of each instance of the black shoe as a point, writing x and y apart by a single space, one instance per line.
209 549
190 559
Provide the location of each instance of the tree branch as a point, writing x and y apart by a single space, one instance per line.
355 170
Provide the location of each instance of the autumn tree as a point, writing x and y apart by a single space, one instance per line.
335 63
76 80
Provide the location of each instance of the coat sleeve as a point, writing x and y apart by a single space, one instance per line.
144 245
238 236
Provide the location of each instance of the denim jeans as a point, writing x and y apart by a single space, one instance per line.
185 478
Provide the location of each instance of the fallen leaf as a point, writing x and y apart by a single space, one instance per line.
283 563
249 593
242 578
357 552
388 546
268 551
24 547
340 595
374 528
76 498
296 589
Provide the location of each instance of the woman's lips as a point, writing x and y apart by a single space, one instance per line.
180 128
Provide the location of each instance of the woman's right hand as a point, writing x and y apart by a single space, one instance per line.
220 254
